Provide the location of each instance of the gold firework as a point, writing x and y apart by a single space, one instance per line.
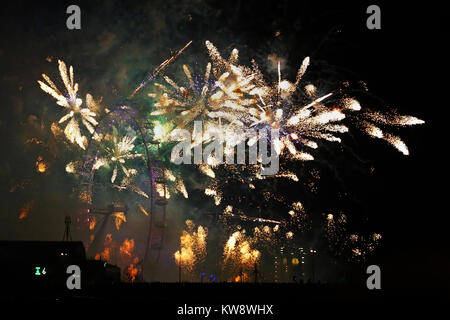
119 151
192 247
239 254
73 104
222 94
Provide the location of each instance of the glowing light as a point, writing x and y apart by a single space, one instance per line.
92 222
127 247
352 104
25 210
105 255
119 218
143 210
41 165
70 167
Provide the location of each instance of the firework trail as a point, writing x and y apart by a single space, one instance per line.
160 68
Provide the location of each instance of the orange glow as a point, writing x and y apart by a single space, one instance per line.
132 270
92 223
106 254
127 247
25 210
143 210
129 260
34 140
41 165
243 277
119 219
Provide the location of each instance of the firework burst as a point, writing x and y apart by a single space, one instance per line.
73 104
117 152
239 254
192 247
303 118
223 94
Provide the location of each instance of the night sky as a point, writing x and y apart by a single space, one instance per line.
404 65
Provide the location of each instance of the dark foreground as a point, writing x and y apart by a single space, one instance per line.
225 300
37 273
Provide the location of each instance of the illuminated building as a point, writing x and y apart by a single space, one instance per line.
294 264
